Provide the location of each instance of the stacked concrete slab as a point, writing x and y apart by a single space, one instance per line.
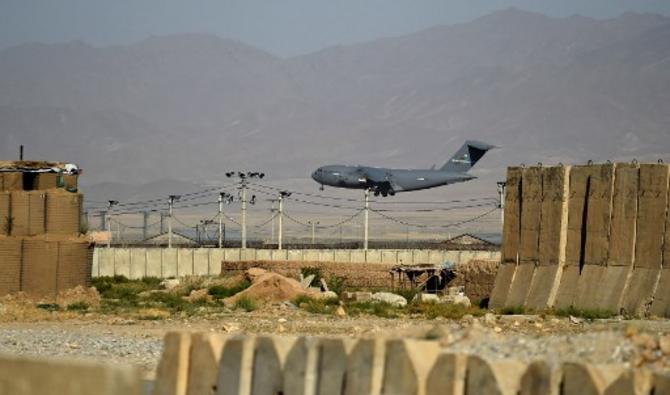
199 364
41 249
599 241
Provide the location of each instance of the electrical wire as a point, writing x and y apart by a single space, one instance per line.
452 225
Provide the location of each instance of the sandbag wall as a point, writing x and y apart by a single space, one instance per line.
41 248
206 364
588 237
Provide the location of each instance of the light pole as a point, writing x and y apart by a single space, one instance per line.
502 185
280 219
171 200
366 221
243 187
223 196
108 221
314 224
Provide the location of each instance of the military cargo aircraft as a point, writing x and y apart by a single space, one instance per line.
385 182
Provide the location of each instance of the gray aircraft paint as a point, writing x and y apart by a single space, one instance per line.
387 181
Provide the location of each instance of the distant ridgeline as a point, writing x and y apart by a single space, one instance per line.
587 237
42 250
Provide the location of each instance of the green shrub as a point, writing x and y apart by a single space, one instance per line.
246 304
78 306
379 309
317 306
165 299
589 314
512 310
49 306
337 284
221 291
407 293
445 310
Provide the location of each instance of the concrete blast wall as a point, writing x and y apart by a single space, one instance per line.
136 263
205 364
603 237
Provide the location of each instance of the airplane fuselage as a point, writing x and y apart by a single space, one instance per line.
396 180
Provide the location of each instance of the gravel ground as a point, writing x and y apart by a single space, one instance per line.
495 337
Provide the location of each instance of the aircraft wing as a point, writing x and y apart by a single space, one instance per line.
379 181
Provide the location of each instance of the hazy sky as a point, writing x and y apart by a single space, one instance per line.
284 27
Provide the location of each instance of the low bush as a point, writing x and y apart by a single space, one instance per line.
317 306
379 309
246 304
221 291
444 310
589 314
78 306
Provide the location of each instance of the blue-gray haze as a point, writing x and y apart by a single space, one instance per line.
283 27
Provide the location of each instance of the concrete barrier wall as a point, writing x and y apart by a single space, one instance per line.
205 363
39 376
136 263
604 240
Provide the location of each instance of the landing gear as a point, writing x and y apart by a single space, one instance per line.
321 188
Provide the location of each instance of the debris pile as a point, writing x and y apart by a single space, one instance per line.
268 287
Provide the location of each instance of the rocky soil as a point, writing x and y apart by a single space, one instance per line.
113 339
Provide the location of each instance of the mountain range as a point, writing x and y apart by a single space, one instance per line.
191 107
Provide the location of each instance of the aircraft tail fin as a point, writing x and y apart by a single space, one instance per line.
467 156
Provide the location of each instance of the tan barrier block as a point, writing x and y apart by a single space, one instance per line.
12 181
596 246
46 181
661 383
503 280
203 368
173 369
581 379
28 213
63 212
638 382
529 241
10 265
5 214
523 276
660 307
26 376
280 363
639 291
332 367
75 259
577 198
512 225
599 213
554 218
39 267
652 208
447 376
540 378
365 368
493 378
553 238
236 367
510 244
624 215
609 295
407 366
